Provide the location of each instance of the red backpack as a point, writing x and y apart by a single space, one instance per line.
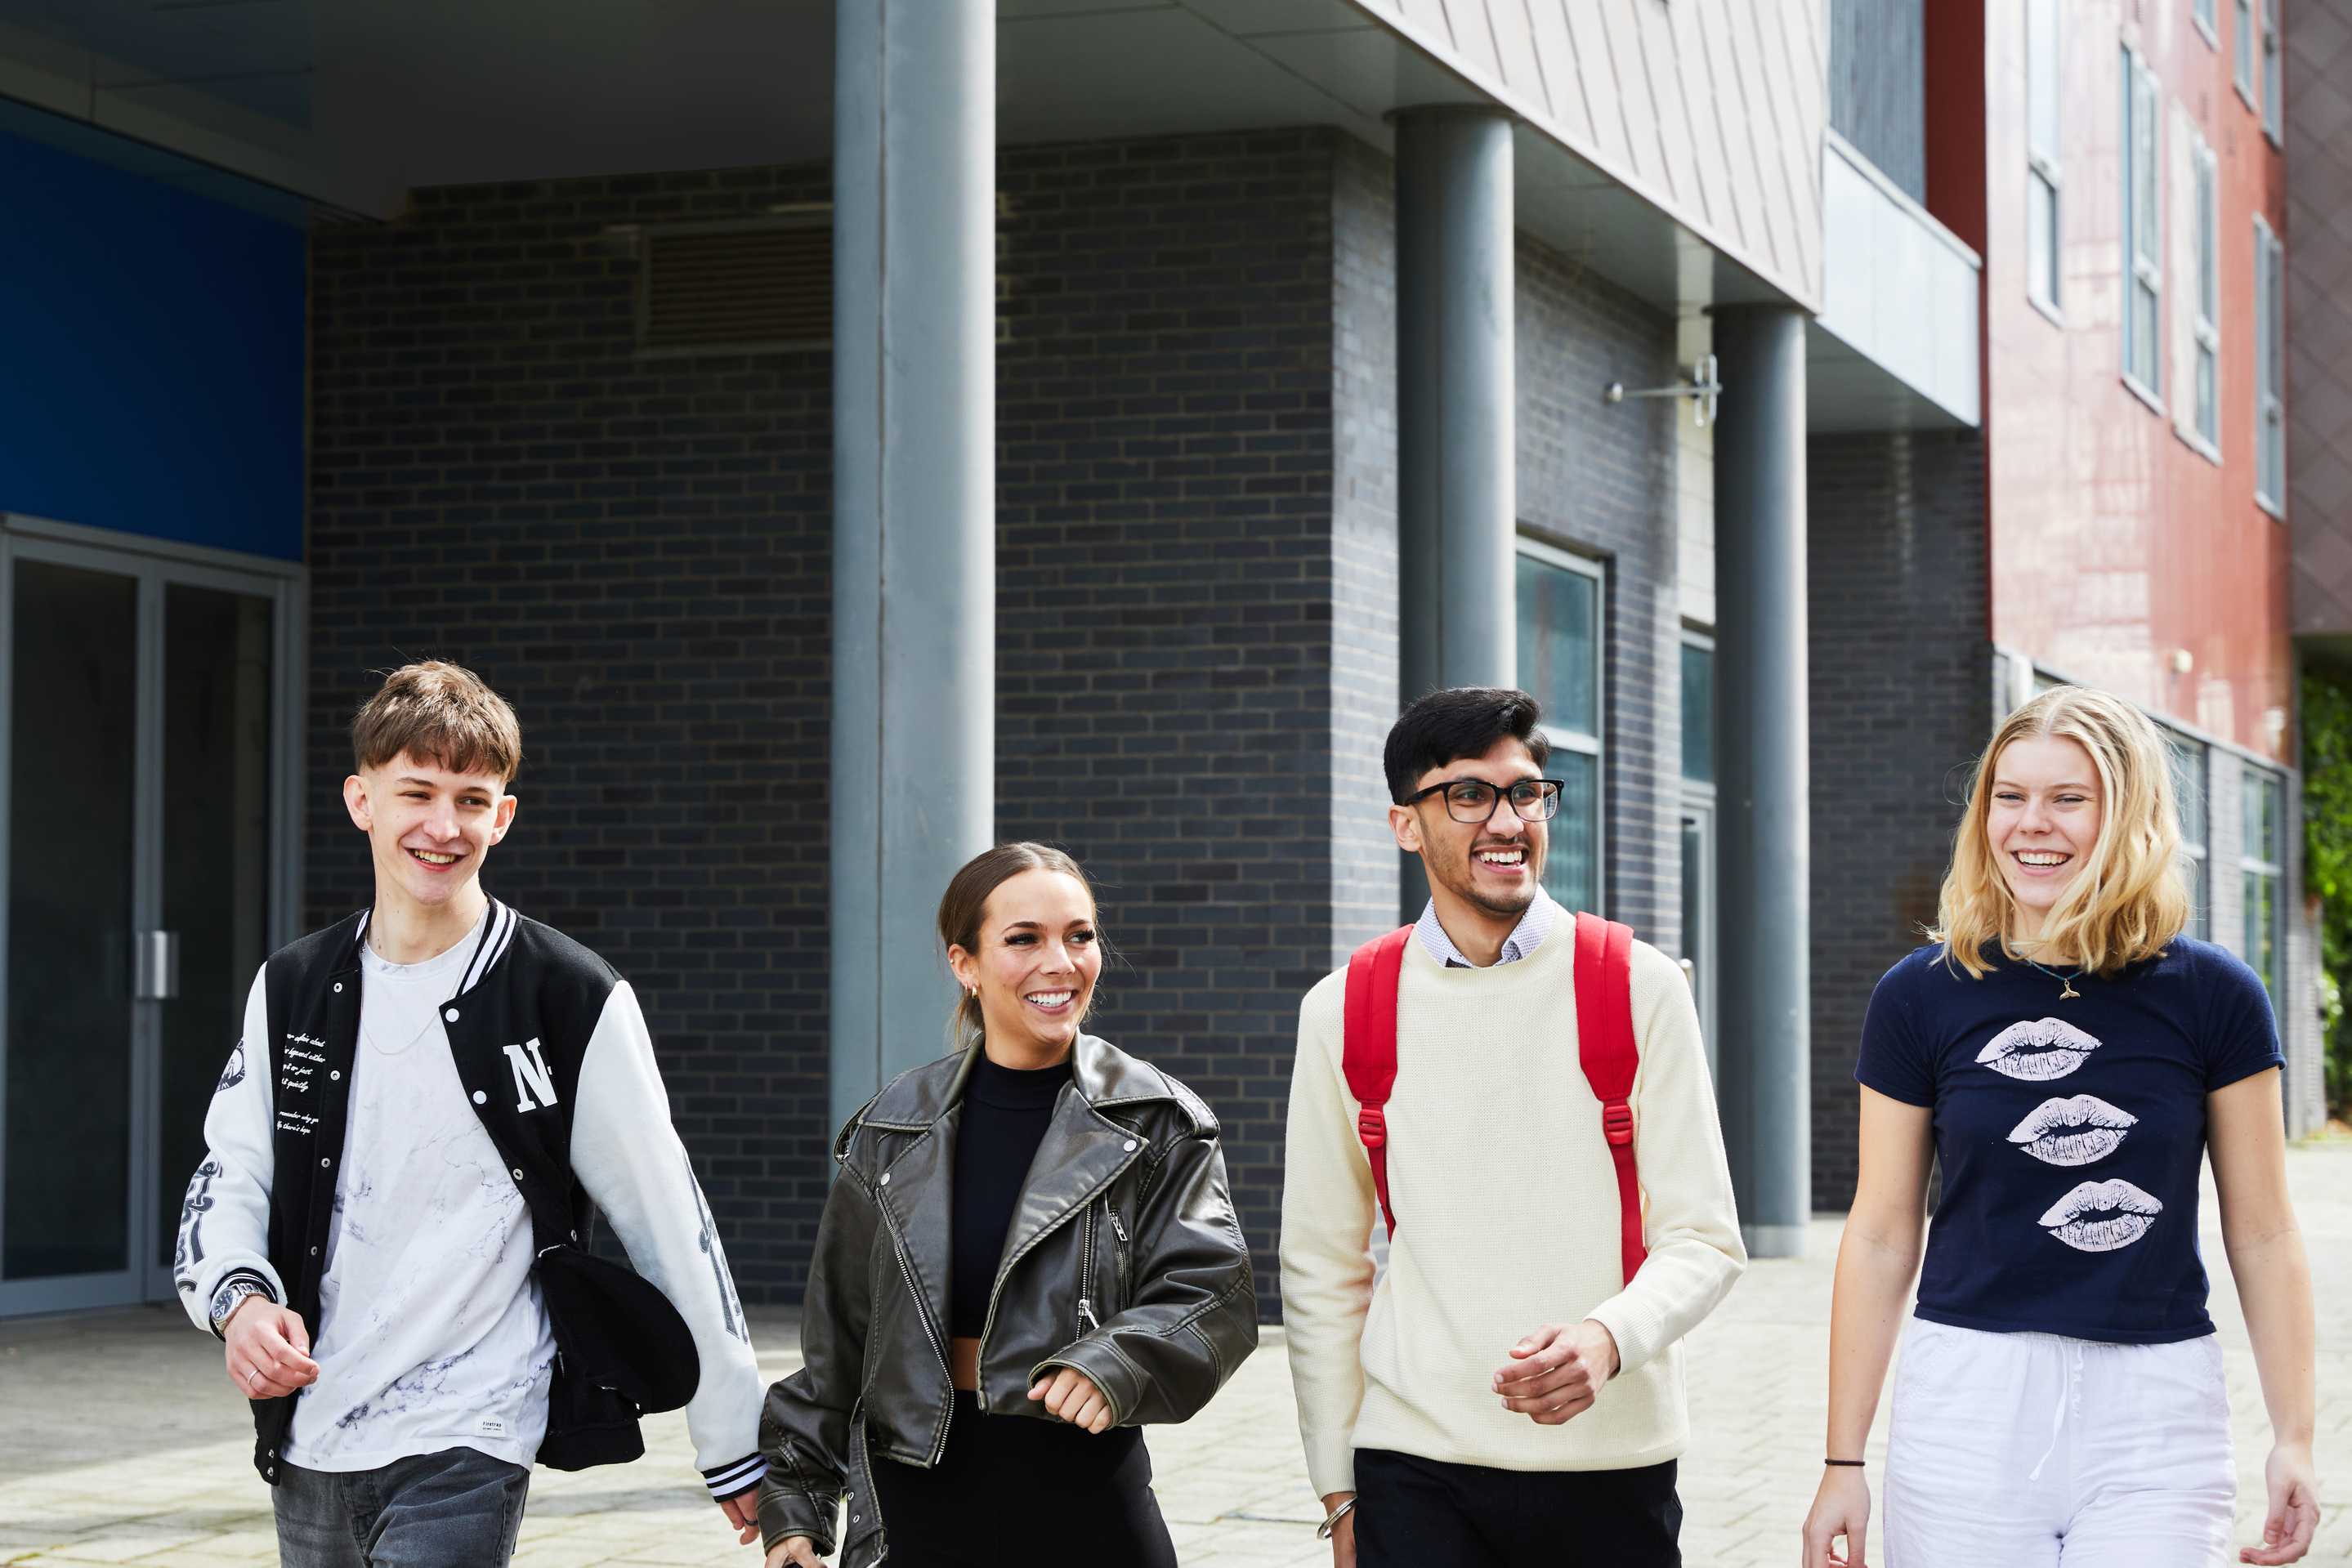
1605 1046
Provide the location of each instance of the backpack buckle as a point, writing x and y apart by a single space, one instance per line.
1371 1126
1617 1122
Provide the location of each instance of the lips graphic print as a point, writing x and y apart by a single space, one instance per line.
2073 1132
2102 1215
2037 1050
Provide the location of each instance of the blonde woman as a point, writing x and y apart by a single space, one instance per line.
2071 1057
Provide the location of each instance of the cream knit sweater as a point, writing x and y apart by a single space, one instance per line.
1506 1219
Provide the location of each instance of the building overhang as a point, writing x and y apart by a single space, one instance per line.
1898 343
348 106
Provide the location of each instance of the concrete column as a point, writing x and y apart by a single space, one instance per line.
1764 856
914 438
1457 500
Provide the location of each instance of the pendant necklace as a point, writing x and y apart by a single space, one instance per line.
2069 993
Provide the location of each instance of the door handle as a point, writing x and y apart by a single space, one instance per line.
155 967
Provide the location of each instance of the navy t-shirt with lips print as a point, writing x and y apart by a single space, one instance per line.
2071 1132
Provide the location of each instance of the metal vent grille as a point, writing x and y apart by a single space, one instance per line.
736 287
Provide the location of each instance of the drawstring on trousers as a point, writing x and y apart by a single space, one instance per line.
2069 1386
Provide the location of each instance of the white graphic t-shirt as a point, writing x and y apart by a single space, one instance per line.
430 1331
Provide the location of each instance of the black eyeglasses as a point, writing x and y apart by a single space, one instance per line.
1473 799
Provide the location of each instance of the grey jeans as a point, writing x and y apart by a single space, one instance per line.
455 1509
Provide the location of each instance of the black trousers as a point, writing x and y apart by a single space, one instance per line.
1413 1513
1016 1489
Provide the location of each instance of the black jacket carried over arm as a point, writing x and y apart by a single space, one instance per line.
1124 1261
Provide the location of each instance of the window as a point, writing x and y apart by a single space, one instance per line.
1698 828
2189 765
2262 867
2207 245
2207 23
1698 709
2270 91
2144 295
2243 54
2269 370
1559 665
2042 176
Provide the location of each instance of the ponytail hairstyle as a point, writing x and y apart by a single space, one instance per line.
2128 900
965 902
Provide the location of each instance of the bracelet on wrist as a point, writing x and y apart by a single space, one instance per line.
1323 1531
1855 1464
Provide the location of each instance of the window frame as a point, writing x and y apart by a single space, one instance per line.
2252 780
2194 758
2205 14
2242 62
2270 370
2274 72
2043 165
2205 414
1559 736
2143 264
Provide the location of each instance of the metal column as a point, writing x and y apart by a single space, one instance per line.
914 435
1764 854
1457 500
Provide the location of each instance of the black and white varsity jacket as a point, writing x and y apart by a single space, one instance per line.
555 1056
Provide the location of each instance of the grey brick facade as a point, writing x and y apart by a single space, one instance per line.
1598 479
637 554
1900 663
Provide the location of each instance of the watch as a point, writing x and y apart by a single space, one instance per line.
232 1292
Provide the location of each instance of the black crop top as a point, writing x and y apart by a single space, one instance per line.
1006 1111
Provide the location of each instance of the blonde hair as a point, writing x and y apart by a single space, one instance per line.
2128 900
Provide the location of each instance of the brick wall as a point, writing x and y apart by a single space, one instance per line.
1900 662
1365 860
637 554
1599 479
1165 568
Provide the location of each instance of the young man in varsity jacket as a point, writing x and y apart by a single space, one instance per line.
1504 1393
426 1097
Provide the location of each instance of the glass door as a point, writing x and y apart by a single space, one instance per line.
67 1132
146 866
214 889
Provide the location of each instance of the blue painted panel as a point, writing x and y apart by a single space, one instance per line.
151 357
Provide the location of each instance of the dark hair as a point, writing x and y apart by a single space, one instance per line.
1457 722
966 900
442 714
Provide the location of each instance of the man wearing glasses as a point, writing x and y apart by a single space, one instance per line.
1502 1394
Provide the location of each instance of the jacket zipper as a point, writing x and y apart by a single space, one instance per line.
1086 1272
1118 1253
914 1293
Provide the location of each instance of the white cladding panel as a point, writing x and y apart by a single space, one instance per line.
1712 110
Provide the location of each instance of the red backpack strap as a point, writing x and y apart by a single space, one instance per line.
1604 1042
1369 1049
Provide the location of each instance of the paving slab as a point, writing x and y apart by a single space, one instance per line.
121 1441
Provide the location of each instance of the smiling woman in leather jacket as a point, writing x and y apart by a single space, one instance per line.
1030 1253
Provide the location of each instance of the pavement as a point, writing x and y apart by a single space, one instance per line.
121 1440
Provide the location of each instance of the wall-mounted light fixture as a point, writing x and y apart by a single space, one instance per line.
1704 387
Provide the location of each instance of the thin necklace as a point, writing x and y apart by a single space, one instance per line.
2069 993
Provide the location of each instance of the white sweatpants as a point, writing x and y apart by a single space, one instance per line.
2030 1450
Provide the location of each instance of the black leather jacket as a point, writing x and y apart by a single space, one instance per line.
1125 1263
